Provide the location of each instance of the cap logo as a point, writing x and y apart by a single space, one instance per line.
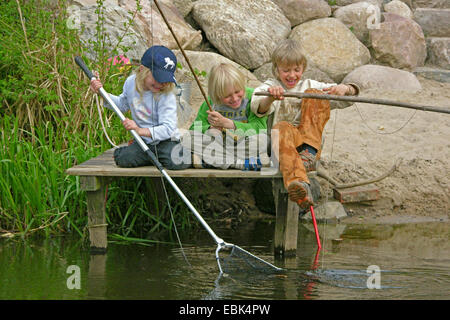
169 63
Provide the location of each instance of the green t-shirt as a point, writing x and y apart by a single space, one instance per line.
246 122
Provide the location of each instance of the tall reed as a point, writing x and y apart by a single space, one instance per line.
49 123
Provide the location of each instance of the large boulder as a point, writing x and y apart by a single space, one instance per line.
356 16
299 11
347 2
439 52
434 22
443 4
400 8
330 46
114 31
155 29
146 28
245 31
382 77
408 53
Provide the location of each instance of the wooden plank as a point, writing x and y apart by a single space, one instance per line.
103 165
357 194
150 171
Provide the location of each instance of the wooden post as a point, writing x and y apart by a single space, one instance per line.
95 188
286 225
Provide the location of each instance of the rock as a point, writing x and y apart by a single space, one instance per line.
300 11
434 22
400 8
114 18
245 31
330 46
264 72
184 6
155 29
387 49
375 76
331 210
140 34
347 2
356 16
443 4
440 75
408 3
439 52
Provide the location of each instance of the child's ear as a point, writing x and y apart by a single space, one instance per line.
141 67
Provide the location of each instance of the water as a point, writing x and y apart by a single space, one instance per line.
413 262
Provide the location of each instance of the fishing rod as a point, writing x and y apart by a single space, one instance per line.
301 95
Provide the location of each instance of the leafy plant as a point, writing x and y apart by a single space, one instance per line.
49 123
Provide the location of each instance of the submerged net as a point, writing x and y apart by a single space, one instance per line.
242 261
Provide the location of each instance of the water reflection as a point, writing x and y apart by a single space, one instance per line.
413 260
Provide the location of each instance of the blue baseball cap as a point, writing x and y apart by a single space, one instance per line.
162 62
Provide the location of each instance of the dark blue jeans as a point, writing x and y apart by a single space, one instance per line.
170 153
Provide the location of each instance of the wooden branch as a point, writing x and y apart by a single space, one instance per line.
324 174
360 99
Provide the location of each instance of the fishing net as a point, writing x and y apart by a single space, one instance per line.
241 261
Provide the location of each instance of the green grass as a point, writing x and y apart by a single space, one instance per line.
49 122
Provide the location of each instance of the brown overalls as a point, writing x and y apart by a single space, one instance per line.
314 115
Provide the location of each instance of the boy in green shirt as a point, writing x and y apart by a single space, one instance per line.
245 132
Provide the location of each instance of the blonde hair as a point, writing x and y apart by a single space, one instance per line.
221 78
141 73
287 52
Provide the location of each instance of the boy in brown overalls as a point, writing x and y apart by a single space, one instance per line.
298 139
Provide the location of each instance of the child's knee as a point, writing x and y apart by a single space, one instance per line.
171 165
123 159
282 126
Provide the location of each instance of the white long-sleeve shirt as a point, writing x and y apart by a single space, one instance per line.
158 112
287 109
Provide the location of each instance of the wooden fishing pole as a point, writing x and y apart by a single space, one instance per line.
359 99
184 54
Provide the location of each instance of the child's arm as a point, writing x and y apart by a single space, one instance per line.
131 125
276 94
253 126
120 101
201 121
262 106
343 90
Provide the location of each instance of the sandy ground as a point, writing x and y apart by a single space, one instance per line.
364 141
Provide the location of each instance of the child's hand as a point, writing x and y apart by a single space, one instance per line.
339 90
130 124
276 92
216 120
96 84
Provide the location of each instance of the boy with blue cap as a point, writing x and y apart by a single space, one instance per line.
148 94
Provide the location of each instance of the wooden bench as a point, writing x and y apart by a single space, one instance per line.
96 173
